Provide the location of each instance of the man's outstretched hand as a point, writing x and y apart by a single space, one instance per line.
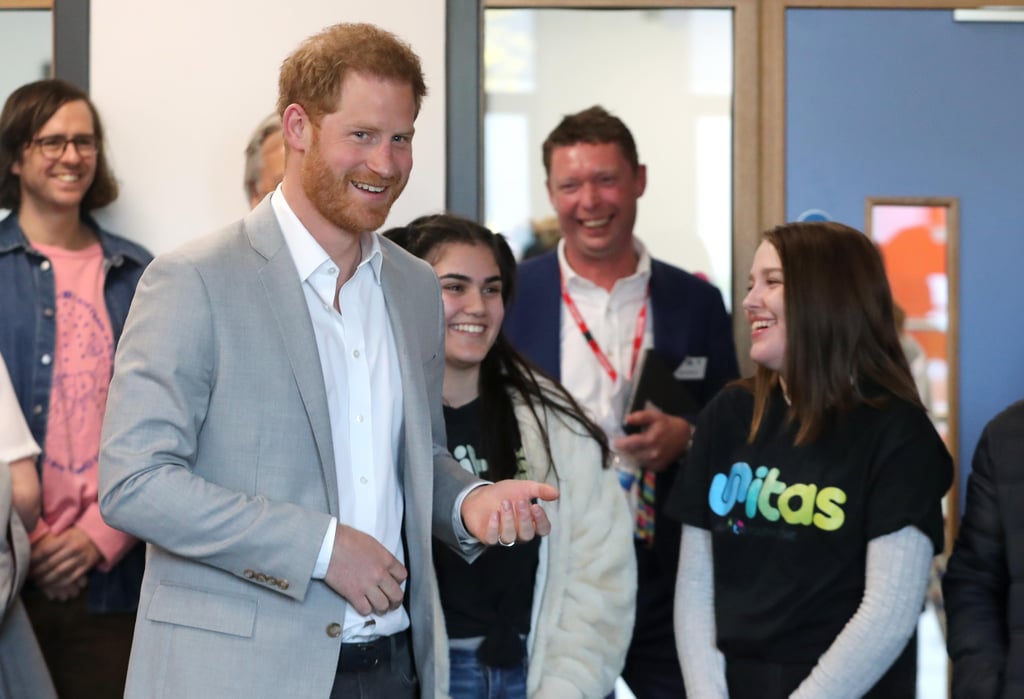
503 511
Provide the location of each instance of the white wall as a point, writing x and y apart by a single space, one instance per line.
181 85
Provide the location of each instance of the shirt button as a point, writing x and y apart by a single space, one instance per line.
359 418
48 312
327 307
332 270
355 353
334 630
46 359
363 480
45 265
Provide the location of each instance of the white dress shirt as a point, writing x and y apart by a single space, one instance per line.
359 360
611 318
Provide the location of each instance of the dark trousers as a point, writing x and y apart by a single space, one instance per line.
754 679
87 654
380 669
652 665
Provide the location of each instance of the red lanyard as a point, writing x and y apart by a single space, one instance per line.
638 334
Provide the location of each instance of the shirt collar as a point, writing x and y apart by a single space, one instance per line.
307 254
643 266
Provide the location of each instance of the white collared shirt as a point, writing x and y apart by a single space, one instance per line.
611 318
359 360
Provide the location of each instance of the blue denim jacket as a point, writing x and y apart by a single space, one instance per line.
27 337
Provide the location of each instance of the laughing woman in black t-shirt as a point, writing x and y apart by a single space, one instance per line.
551 618
811 501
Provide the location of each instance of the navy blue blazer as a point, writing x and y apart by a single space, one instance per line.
688 315
689 320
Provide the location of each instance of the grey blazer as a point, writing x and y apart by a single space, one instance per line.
217 452
23 671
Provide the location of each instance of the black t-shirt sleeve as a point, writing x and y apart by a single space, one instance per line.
687 501
907 479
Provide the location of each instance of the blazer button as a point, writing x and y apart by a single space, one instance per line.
334 630
249 573
283 584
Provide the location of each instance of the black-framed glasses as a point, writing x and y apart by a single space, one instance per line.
53 147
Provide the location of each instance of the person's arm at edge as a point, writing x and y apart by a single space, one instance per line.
26 494
976 584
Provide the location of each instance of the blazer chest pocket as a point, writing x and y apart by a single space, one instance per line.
202 609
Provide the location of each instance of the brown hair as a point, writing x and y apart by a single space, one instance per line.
313 74
595 126
841 343
26 112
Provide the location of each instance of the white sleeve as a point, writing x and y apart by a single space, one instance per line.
694 618
16 441
898 566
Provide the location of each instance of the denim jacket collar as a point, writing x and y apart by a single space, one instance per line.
115 250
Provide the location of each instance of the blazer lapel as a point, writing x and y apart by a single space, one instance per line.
287 303
394 291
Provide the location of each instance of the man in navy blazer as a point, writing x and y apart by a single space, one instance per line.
585 312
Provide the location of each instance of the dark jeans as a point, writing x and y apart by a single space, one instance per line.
87 654
393 677
471 679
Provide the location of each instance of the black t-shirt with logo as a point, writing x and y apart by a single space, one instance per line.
493 596
790 525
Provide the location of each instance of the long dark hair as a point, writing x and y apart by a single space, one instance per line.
841 343
26 112
504 370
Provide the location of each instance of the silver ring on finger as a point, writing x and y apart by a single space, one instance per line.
506 544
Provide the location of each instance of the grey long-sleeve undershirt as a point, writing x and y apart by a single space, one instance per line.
898 566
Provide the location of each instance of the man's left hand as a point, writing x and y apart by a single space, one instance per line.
63 593
60 561
662 440
503 511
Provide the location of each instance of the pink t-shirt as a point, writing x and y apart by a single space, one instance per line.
83 360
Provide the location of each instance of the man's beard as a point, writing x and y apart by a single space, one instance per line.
334 199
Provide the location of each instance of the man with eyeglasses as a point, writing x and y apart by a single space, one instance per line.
65 288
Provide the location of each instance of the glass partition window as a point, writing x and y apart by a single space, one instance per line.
668 74
26 51
26 42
